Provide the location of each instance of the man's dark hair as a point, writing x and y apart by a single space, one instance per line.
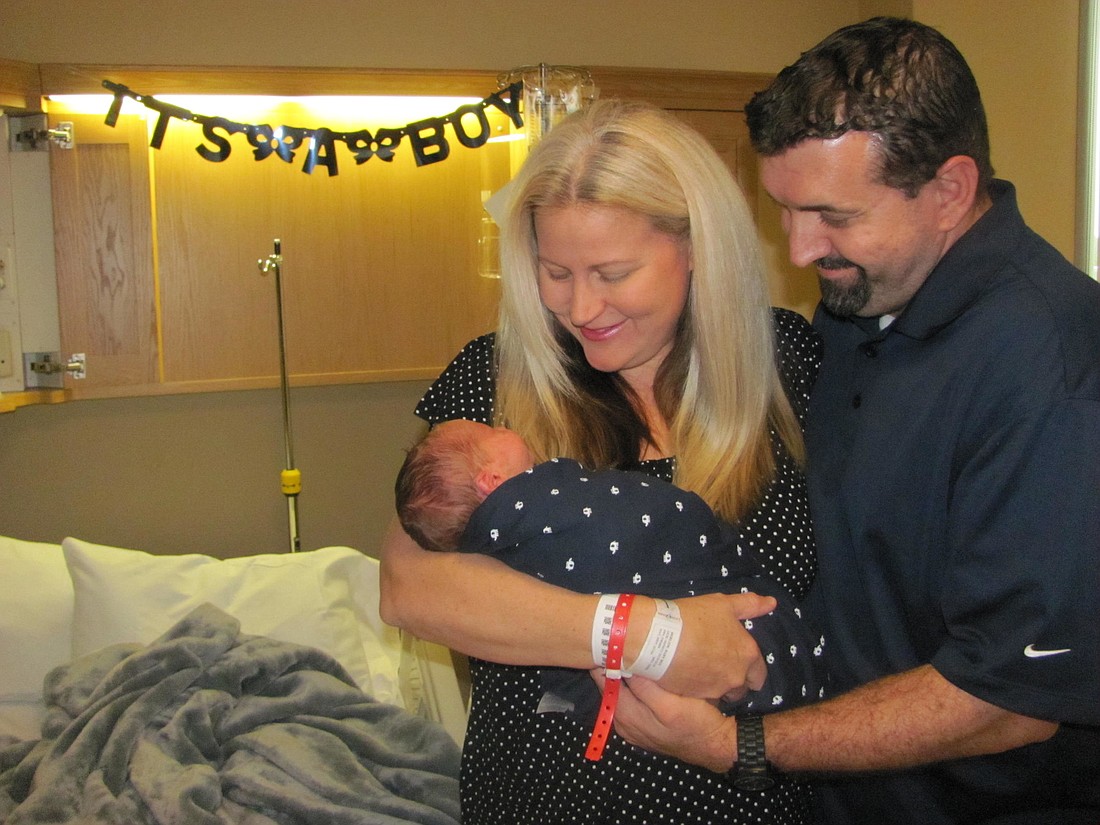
899 79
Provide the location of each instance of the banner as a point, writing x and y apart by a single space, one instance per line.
469 125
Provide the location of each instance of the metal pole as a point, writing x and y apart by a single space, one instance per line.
546 100
290 479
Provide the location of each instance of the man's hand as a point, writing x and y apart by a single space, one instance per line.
717 657
692 730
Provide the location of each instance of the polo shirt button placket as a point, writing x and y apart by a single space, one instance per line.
870 350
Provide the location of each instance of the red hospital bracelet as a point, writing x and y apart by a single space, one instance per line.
613 673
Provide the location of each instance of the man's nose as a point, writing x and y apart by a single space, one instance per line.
806 241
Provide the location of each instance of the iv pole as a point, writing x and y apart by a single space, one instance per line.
290 479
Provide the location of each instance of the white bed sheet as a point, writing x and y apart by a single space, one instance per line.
62 601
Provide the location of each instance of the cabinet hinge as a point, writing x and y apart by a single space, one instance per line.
46 369
31 133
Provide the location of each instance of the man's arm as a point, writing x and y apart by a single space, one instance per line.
900 721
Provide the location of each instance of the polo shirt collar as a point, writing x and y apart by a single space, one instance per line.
963 273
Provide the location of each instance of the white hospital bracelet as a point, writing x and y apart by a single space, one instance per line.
601 627
661 642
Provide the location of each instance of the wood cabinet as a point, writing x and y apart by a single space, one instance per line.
157 249
19 85
157 253
103 241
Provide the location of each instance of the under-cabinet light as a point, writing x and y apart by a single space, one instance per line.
248 108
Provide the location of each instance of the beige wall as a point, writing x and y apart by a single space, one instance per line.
1024 55
746 35
200 473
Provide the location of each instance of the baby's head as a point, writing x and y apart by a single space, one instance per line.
448 473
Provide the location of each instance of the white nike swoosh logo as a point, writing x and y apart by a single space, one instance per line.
1034 653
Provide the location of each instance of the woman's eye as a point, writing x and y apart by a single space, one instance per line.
613 276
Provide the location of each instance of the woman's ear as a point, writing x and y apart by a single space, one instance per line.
956 187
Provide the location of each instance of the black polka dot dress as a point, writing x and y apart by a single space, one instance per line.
519 766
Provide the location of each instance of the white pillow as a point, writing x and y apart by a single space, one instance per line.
324 598
36 614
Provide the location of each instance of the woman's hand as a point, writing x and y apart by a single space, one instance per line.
717 658
692 730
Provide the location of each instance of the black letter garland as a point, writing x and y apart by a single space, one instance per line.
427 137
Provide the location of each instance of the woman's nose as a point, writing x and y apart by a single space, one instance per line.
585 302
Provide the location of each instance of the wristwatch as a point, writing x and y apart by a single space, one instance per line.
751 771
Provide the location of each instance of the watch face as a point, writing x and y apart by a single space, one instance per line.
753 782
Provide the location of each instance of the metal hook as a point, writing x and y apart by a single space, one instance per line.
273 260
269 263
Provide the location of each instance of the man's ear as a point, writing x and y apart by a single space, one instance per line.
487 480
956 187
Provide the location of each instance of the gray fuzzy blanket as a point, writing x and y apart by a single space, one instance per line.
209 725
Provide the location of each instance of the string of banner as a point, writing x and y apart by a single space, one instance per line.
427 138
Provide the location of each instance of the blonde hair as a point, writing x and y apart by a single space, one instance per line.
719 388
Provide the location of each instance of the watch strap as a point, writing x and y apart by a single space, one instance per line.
751 773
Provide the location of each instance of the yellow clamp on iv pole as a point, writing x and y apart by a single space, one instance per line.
291 482
290 479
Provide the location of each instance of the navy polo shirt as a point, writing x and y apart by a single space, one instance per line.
954 476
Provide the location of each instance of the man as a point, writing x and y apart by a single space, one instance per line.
954 460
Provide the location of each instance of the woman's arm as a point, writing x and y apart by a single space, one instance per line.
481 607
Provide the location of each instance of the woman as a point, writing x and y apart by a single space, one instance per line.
634 332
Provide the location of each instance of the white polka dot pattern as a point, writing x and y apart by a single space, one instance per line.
523 767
